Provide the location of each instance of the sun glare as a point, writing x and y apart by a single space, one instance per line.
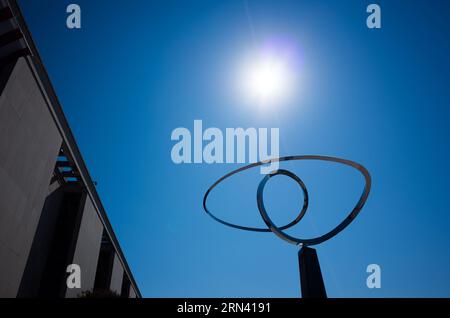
266 80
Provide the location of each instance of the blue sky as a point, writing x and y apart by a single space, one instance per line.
135 71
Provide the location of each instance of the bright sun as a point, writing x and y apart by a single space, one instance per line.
266 80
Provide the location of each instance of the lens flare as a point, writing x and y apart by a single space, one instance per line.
266 80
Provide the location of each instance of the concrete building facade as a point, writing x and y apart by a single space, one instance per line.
50 213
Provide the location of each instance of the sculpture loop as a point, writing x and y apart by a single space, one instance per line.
271 227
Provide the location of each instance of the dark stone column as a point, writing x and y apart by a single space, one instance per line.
54 244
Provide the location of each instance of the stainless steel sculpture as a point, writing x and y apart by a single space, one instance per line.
310 275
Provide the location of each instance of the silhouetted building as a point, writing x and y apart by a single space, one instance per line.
50 213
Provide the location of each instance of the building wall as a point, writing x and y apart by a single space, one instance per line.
117 275
87 248
29 143
41 247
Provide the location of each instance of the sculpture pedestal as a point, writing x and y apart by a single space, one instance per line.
311 280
